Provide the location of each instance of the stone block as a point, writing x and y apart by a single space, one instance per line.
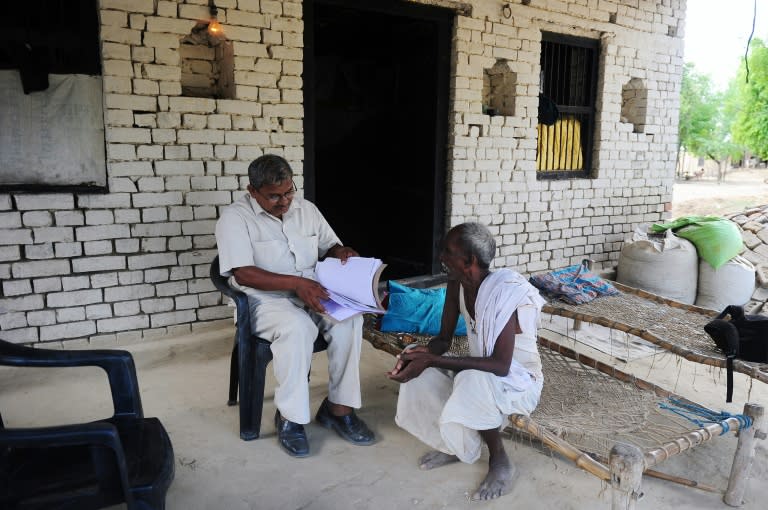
41 318
73 298
122 323
169 318
67 330
152 260
37 269
157 199
104 263
179 168
39 251
34 219
45 202
98 232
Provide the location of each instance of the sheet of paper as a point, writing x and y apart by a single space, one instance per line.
353 280
351 286
338 311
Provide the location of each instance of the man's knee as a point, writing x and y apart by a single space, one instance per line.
300 327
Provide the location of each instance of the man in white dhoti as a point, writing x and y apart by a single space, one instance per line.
457 404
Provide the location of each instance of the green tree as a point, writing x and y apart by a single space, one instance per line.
706 119
750 127
698 111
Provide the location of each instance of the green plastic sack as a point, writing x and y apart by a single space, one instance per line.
717 239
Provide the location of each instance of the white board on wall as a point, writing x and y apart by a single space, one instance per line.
53 137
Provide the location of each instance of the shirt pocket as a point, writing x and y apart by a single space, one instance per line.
272 256
304 248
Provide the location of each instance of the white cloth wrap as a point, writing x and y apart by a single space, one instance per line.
446 410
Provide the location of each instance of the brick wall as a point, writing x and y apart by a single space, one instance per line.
133 263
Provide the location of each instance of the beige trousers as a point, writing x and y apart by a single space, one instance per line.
292 331
447 411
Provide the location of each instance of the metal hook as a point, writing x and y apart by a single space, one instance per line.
506 11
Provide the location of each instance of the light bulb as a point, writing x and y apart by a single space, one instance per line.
215 29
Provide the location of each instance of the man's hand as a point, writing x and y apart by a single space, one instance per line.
312 293
410 363
342 253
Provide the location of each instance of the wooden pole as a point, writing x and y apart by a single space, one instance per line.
745 454
667 477
581 459
627 465
587 263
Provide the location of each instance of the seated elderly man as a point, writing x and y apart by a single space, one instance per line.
455 404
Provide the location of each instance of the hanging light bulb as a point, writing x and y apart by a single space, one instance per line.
214 27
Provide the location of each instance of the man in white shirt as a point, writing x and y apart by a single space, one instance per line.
269 242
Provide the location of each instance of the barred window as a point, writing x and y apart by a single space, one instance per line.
566 106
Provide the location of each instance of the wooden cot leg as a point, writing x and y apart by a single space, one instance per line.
627 464
745 454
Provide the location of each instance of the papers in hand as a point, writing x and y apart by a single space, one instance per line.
353 286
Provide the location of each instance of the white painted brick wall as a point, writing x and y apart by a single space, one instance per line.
133 263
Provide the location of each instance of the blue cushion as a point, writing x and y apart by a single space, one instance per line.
416 311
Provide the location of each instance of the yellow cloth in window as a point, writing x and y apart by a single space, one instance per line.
559 146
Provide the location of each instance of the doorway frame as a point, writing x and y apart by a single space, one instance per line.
446 19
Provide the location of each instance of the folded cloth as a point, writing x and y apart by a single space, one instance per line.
573 284
419 311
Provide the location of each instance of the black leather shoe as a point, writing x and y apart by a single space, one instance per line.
350 427
291 436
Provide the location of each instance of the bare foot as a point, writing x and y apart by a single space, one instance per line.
434 458
499 480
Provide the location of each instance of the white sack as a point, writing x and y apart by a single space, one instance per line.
665 265
731 284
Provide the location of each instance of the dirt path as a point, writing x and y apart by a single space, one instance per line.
741 190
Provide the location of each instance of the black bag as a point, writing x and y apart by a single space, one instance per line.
744 337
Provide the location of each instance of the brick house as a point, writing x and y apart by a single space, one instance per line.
553 122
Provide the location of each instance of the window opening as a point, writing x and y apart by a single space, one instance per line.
566 106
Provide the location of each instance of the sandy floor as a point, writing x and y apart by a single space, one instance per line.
184 382
740 190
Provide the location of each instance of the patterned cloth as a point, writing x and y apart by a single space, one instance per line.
573 284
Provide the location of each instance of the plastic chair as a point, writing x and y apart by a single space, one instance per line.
250 357
123 459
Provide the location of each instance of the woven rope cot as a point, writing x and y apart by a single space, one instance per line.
609 423
674 326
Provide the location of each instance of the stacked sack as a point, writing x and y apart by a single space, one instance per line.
693 259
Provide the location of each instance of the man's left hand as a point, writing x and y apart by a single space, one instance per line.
410 364
343 253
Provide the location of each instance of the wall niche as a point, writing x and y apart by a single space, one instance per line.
499 89
634 104
207 65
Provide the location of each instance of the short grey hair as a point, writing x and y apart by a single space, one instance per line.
475 239
269 169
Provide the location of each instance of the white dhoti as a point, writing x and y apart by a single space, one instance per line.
447 411
292 332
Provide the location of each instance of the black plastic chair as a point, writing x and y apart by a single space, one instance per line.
123 459
250 357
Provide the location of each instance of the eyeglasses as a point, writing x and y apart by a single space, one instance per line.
275 197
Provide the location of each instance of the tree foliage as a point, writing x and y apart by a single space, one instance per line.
750 127
706 117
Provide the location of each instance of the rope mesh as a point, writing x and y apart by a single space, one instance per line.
588 408
673 325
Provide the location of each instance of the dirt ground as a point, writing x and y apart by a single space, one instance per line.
741 189
183 381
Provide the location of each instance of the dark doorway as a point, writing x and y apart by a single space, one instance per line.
376 93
